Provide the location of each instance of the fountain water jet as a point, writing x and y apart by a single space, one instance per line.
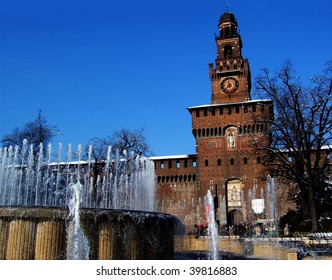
122 183
78 244
212 226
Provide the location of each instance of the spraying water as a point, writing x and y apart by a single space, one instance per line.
272 202
122 181
78 245
212 226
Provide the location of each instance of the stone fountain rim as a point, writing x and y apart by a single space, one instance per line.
57 213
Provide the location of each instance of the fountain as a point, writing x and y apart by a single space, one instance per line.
212 226
65 209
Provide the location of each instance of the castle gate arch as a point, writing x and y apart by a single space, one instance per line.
234 192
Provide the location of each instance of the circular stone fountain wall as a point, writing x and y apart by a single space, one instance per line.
41 233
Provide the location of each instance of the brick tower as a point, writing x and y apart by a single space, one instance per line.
229 129
227 132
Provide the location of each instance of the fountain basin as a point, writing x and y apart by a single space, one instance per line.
43 233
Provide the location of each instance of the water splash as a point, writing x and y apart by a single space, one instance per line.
212 226
120 182
272 202
78 245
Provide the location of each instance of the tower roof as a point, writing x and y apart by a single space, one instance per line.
228 17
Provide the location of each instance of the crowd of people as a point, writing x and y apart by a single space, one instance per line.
244 230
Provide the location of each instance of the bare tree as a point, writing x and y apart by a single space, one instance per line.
36 132
301 133
124 140
131 141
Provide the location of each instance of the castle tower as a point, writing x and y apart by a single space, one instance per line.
230 79
229 129
228 132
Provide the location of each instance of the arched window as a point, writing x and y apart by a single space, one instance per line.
232 161
233 29
228 51
219 161
245 160
195 133
206 162
227 32
235 65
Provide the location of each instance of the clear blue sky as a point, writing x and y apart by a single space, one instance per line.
93 67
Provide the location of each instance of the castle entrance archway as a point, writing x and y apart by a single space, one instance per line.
235 217
234 190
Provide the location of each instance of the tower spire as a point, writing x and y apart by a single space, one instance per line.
227 6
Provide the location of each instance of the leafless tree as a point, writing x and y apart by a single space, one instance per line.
35 132
301 133
123 141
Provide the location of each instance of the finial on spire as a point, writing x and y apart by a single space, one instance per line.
227 6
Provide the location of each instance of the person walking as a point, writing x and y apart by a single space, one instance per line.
258 231
286 230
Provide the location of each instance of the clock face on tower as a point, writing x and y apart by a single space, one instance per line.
229 85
